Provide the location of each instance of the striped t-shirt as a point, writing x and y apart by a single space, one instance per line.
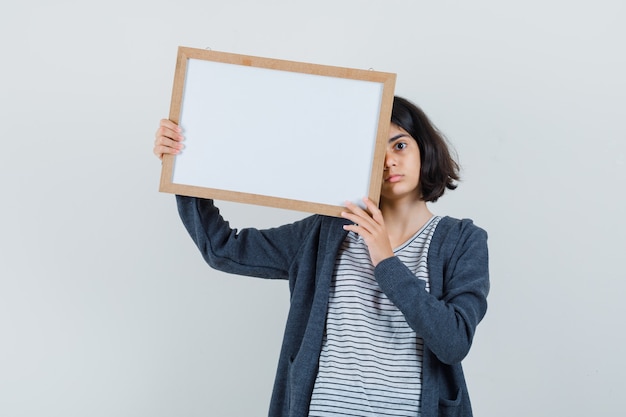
371 360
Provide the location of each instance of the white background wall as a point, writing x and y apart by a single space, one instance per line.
106 308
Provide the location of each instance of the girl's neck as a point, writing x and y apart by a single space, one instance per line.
404 218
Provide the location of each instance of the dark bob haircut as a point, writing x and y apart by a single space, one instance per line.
439 170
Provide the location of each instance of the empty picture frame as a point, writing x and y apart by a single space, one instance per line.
277 133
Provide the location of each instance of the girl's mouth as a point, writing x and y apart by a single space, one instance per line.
393 178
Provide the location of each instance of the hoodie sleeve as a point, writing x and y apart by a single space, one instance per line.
261 253
446 318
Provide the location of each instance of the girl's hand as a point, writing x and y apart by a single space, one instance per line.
168 139
370 225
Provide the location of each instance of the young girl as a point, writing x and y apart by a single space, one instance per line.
384 301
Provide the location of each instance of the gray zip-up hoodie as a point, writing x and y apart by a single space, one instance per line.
304 253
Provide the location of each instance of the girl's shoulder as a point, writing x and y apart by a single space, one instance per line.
449 224
451 231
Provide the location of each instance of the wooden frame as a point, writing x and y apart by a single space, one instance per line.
277 133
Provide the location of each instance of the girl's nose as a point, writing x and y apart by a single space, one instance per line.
389 160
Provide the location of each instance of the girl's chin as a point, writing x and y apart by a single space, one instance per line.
397 194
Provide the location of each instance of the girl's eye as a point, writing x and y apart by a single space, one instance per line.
400 145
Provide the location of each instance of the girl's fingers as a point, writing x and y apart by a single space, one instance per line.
168 139
168 124
356 210
363 222
163 132
372 216
373 209
168 129
370 205
370 225
355 214
160 150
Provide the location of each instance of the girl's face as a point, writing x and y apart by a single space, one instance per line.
402 166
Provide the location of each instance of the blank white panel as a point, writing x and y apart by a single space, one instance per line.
277 133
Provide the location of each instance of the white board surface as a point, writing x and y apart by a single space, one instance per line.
285 135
